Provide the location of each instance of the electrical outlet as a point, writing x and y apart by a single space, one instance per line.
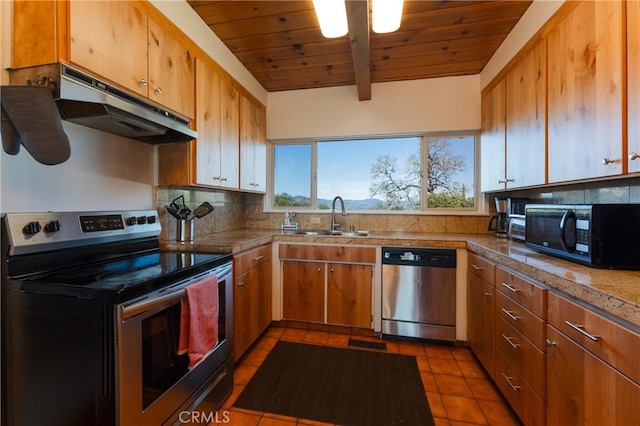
315 219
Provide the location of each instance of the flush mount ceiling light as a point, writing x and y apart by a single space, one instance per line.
332 17
387 15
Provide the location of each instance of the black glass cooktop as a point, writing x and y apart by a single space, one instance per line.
126 277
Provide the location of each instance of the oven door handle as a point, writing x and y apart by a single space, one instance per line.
167 299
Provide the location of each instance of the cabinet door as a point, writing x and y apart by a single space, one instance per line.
492 138
208 121
230 134
633 83
526 120
243 307
29 47
582 389
303 291
171 72
585 92
109 38
263 297
253 146
349 294
481 321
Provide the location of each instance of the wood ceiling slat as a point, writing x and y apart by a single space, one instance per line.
295 83
288 38
300 63
439 70
301 51
228 11
267 24
434 59
452 45
310 72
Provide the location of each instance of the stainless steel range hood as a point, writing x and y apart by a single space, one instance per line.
91 102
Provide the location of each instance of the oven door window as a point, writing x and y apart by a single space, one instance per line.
162 366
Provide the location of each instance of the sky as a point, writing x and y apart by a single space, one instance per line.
344 168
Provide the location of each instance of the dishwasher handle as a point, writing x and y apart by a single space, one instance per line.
419 256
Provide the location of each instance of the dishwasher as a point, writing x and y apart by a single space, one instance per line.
419 293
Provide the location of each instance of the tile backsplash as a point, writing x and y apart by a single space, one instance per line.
237 210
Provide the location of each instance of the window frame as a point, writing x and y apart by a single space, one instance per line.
313 142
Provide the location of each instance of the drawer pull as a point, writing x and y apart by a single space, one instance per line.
508 379
511 288
550 343
508 339
258 258
580 329
510 315
476 267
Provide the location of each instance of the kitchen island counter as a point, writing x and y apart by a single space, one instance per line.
613 292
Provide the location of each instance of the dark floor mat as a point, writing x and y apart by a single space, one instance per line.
380 346
342 386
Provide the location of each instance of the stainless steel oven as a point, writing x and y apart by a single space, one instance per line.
90 319
152 378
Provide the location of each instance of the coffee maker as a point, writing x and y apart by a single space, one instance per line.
500 221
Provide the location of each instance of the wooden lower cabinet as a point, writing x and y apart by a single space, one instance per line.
252 311
303 290
481 321
349 294
524 401
585 390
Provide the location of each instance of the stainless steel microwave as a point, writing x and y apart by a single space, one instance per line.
598 235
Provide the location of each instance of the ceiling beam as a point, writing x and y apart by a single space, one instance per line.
358 20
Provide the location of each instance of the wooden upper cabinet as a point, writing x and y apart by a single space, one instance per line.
110 39
585 90
633 84
492 138
526 120
253 146
31 48
171 71
118 41
217 149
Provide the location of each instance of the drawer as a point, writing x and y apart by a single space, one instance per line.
532 327
613 343
526 293
520 396
246 260
328 253
529 361
482 268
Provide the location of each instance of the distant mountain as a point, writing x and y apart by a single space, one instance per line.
367 204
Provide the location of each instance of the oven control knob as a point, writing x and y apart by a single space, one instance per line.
142 220
53 226
32 228
151 219
130 221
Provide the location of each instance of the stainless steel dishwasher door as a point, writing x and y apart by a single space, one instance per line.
419 293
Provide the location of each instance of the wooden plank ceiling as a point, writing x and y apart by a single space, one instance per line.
280 42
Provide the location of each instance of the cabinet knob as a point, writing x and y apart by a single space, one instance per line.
487 294
158 91
142 82
241 284
318 269
607 161
332 270
634 156
550 343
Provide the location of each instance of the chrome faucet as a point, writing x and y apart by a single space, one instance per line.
334 225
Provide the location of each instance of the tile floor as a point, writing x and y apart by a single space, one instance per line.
458 389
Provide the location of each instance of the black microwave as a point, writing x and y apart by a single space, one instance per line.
598 235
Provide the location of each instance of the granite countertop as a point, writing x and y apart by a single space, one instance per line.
614 292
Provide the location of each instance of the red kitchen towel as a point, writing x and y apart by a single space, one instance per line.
199 320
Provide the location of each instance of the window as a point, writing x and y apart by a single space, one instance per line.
415 173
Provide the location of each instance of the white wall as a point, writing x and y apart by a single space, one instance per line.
429 105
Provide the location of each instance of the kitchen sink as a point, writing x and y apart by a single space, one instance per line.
323 232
